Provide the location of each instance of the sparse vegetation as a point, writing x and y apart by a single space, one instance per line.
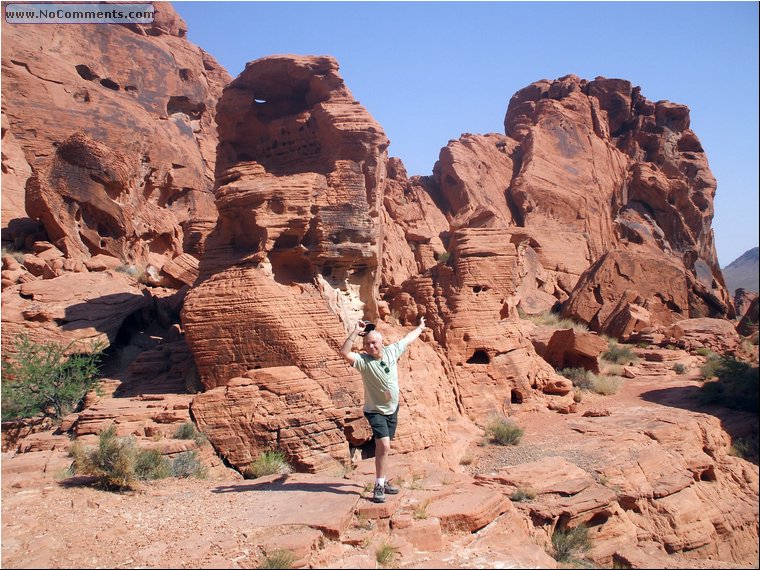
580 377
151 464
552 319
619 354
679 368
521 495
385 554
188 431
746 447
503 431
269 462
15 254
570 543
187 464
112 462
736 386
443 256
420 511
710 368
703 351
607 385
583 379
42 378
117 463
279 558
466 460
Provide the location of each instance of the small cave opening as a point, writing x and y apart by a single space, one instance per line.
182 104
85 72
516 397
291 267
480 356
109 84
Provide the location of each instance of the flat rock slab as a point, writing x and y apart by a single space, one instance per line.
301 499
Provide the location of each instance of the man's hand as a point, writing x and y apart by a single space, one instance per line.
422 323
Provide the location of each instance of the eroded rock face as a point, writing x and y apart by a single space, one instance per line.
588 169
116 126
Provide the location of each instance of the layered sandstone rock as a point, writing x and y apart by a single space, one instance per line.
588 169
113 128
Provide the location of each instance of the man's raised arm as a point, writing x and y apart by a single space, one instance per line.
345 350
414 334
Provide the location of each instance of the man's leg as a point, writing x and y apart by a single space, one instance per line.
382 449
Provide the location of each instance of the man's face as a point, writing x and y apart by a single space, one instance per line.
373 344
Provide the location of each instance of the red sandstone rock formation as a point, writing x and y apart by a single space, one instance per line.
113 126
589 169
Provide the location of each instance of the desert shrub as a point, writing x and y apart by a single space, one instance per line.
580 377
736 386
152 464
710 368
385 554
619 354
187 464
703 351
606 385
522 495
420 511
443 257
268 463
188 431
503 431
279 559
570 543
679 368
746 447
14 253
554 320
39 378
111 462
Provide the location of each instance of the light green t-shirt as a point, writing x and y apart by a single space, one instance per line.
376 380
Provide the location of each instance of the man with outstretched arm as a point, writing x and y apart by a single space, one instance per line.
377 365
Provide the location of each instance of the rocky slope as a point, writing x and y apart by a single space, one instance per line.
646 469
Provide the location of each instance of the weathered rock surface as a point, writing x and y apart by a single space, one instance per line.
113 127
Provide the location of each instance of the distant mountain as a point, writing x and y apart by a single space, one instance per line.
743 272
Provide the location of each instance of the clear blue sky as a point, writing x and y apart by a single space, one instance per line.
430 71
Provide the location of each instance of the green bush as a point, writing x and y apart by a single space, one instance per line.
188 431
268 463
187 464
580 377
703 351
710 368
41 379
152 464
112 462
570 543
736 386
504 432
619 354
679 368
117 463
443 257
